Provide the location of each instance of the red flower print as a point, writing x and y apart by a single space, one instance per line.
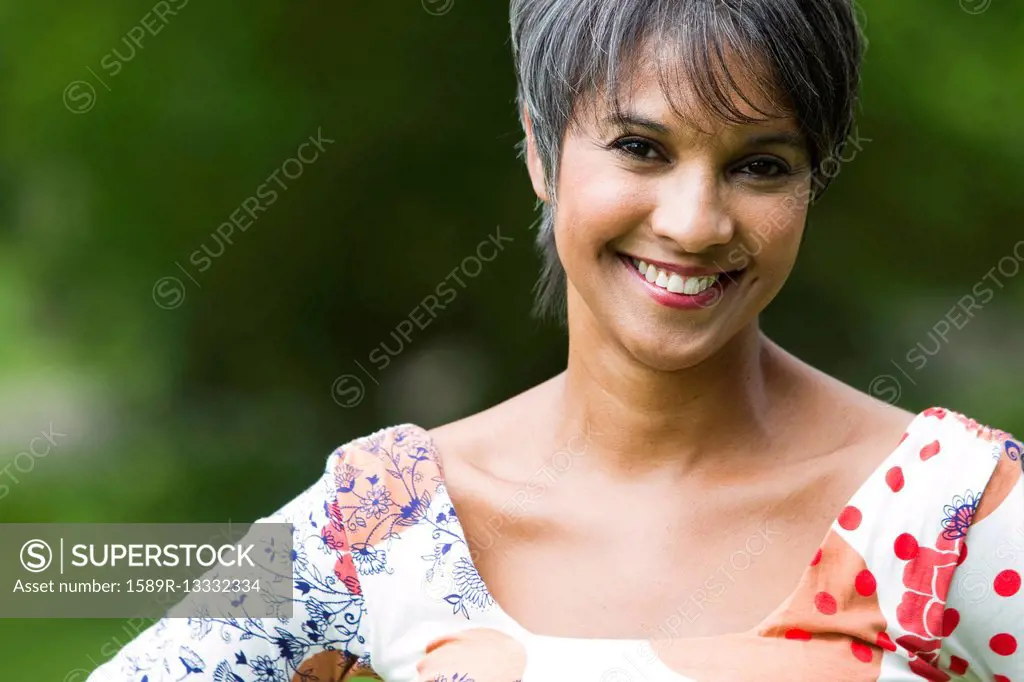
922 611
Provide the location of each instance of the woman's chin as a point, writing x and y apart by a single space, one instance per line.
672 353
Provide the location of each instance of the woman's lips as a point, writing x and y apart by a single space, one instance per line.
680 287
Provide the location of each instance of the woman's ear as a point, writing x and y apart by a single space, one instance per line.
533 163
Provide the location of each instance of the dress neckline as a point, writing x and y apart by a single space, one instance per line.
885 464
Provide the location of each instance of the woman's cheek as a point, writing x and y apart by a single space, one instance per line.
774 230
602 206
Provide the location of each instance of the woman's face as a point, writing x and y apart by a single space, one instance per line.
673 239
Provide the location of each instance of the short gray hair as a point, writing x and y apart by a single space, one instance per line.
567 51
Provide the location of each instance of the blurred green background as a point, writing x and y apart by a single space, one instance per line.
217 395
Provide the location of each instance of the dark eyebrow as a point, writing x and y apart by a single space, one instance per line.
630 119
627 119
792 139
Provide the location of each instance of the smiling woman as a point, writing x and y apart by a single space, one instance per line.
676 146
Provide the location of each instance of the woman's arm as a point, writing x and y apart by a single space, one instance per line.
324 639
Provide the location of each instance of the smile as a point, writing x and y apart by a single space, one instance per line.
673 281
681 287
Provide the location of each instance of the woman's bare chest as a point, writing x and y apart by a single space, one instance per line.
645 571
585 557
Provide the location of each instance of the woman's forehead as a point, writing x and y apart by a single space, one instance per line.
743 78
660 90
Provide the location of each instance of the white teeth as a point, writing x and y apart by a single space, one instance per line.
673 281
676 284
694 285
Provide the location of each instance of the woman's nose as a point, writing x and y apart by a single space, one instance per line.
691 211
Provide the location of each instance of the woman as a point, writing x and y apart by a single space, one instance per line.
686 501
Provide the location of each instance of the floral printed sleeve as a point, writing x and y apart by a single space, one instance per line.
984 615
324 641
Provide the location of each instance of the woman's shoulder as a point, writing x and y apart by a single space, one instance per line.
942 427
390 463
944 470
936 428
366 471
493 440
957 468
375 488
409 464
403 439
972 446
943 444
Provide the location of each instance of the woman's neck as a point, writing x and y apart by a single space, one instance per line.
639 417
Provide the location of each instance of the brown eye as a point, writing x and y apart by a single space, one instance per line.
765 168
637 148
